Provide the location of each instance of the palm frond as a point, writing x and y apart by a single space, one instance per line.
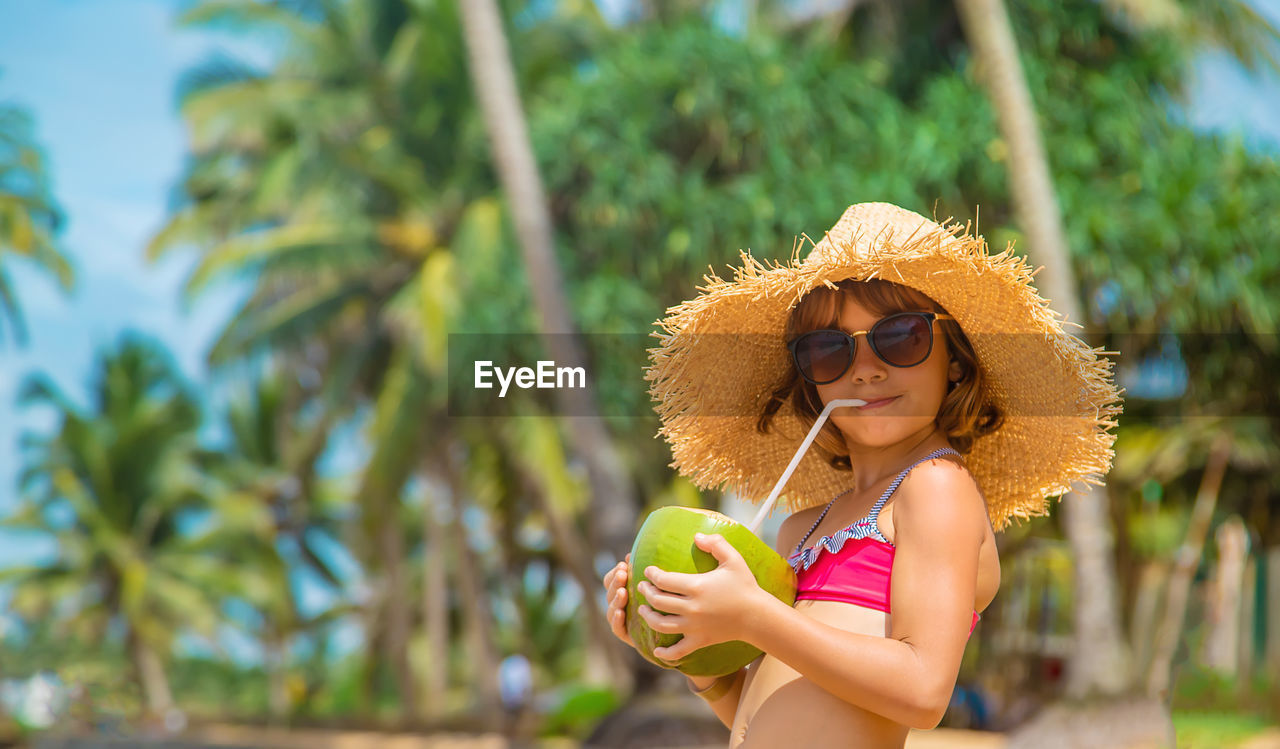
244 115
251 251
214 72
396 433
40 389
302 313
46 255
1237 27
9 305
1234 26
422 313
295 17
315 558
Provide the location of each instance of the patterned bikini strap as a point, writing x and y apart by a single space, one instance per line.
897 481
875 509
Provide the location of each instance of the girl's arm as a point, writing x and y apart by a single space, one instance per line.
939 522
721 694
725 703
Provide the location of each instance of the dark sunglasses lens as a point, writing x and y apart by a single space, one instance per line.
822 357
904 340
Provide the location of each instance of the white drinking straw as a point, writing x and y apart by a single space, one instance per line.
795 461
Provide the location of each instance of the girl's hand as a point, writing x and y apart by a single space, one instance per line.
707 608
615 586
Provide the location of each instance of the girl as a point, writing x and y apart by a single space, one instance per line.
977 407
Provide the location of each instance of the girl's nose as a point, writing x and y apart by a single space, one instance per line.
866 366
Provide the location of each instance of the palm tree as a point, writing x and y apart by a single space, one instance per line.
1166 455
612 498
29 220
271 462
310 179
118 486
334 183
1101 663
1235 26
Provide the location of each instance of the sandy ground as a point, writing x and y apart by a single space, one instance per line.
941 738
265 738
1268 739
316 739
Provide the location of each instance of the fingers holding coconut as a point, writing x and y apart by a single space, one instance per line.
722 588
660 600
668 624
671 582
618 620
713 605
718 547
617 575
615 583
686 584
673 653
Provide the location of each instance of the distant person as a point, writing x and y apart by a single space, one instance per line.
515 687
970 704
976 406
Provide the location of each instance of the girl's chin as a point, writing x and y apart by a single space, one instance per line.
879 431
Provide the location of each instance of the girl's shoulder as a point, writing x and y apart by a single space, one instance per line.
939 492
793 528
944 467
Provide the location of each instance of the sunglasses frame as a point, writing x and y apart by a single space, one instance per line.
853 344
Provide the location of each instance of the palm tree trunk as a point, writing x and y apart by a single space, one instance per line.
1247 658
995 52
1151 583
1100 661
149 671
604 653
399 614
1159 675
1271 654
1227 589
374 614
435 614
275 658
475 606
613 502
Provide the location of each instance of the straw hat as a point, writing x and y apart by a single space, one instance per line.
722 353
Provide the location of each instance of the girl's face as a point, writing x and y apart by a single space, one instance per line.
901 402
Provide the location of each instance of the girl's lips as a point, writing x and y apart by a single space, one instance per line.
877 404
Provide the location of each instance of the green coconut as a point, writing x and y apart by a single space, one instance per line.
665 541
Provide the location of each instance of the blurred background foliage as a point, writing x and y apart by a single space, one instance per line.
351 186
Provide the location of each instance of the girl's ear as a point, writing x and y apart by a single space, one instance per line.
954 371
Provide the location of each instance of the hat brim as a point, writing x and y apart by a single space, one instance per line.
721 355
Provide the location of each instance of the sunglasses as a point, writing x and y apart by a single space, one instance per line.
900 340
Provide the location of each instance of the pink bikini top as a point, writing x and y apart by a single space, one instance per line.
858 560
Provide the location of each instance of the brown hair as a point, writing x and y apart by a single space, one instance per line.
967 412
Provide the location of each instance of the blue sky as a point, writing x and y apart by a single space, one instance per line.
98 76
